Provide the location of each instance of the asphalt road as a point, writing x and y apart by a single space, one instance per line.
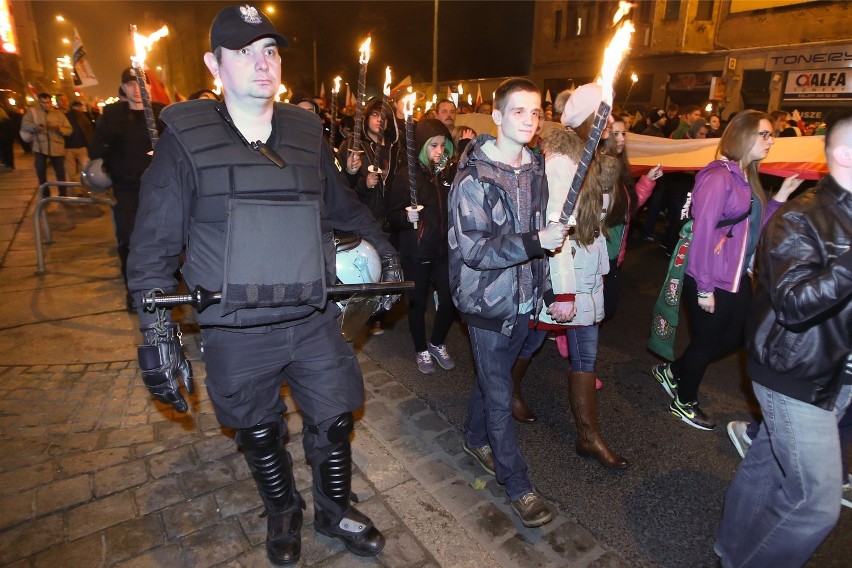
662 511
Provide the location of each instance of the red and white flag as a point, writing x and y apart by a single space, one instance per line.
478 96
406 82
322 92
83 74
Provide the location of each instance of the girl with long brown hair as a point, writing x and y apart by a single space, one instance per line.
729 208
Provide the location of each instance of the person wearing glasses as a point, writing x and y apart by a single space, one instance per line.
729 208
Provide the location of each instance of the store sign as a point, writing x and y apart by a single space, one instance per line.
828 57
819 84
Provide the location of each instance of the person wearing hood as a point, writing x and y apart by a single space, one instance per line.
422 237
729 209
578 268
373 178
378 158
499 278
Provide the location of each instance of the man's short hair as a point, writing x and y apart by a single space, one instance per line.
512 85
444 102
673 107
690 109
44 95
835 122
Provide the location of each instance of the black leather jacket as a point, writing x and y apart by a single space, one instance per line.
799 330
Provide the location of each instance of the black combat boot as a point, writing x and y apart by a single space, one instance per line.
334 516
272 470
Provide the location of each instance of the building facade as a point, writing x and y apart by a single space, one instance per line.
730 54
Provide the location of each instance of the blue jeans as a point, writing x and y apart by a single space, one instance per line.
489 410
583 348
785 497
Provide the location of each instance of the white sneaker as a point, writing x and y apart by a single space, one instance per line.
439 352
739 437
846 500
424 363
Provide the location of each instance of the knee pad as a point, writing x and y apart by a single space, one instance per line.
328 433
260 436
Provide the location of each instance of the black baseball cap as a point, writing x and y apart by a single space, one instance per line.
128 75
656 115
237 26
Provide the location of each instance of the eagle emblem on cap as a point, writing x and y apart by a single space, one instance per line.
250 14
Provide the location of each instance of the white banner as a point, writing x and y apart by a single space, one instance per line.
83 74
818 84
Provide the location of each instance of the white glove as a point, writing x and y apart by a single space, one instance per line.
413 214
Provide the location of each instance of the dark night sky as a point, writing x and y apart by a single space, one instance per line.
476 38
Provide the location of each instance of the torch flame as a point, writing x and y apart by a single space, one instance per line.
613 56
460 90
364 52
386 88
623 9
336 88
408 105
143 44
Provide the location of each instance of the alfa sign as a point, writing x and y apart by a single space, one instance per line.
819 84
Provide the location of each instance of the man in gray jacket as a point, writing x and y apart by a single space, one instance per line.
47 127
498 239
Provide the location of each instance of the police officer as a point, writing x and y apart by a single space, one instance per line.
253 192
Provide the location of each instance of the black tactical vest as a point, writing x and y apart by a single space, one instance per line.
225 166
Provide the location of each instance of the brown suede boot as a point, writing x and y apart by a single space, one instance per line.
584 407
520 411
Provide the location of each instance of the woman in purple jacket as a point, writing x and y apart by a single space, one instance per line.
729 209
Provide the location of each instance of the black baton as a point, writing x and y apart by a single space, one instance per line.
201 298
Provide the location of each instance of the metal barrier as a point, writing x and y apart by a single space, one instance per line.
40 216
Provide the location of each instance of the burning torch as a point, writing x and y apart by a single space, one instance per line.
142 45
614 54
408 111
363 59
332 133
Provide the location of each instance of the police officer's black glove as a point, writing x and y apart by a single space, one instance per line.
162 362
391 272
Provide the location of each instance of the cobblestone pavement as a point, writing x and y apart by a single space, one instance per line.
95 473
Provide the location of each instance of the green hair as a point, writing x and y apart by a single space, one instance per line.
423 158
